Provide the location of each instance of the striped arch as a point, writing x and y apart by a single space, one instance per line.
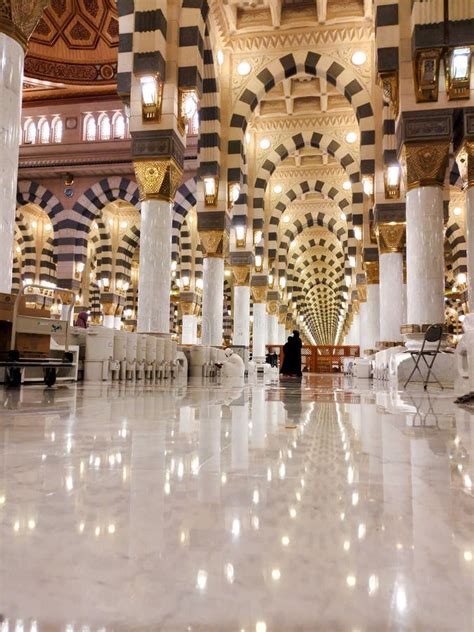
33 193
299 225
18 268
295 192
295 143
209 117
102 248
125 253
309 63
88 208
185 267
198 262
48 262
458 247
227 318
28 247
184 201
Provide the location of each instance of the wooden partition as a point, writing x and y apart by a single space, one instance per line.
320 358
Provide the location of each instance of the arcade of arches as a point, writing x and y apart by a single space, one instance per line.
223 172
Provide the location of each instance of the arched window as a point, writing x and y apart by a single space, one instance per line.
119 125
58 129
104 127
90 127
30 132
45 132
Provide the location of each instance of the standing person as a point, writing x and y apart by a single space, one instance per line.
298 345
81 320
287 366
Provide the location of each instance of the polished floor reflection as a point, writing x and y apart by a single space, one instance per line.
324 506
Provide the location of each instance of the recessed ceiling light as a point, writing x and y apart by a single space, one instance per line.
264 143
278 188
244 68
220 57
286 219
248 137
343 217
358 58
457 210
351 137
346 185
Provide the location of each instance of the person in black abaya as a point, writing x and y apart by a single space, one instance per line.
292 356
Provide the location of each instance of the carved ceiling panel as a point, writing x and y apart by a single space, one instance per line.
75 42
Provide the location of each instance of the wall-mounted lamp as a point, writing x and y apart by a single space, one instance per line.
152 97
368 185
233 193
240 235
257 236
282 283
358 233
105 282
185 282
79 269
427 66
188 106
270 280
199 284
457 64
128 313
258 263
352 261
392 179
211 189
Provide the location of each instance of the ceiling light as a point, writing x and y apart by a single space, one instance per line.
457 210
123 224
264 143
286 219
248 137
358 58
220 57
351 137
343 217
244 68
278 188
346 185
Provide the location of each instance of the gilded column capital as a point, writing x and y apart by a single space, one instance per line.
158 179
109 308
282 314
273 308
391 237
259 294
241 275
465 160
214 243
188 309
18 18
372 272
426 163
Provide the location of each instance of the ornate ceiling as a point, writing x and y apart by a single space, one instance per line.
75 43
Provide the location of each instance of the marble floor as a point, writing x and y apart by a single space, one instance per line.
326 506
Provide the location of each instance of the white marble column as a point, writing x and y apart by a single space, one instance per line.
189 333
281 334
425 255
272 329
109 321
118 322
213 301
370 319
354 332
259 330
155 267
469 222
241 337
11 75
392 296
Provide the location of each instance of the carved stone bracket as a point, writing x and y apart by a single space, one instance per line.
391 237
273 308
158 179
18 18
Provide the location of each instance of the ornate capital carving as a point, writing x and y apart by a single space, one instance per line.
272 308
213 242
372 272
188 309
465 160
18 18
158 179
426 163
391 237
109 308
241 275
259 294
389 83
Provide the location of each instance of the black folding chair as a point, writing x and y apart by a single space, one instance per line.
433 334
